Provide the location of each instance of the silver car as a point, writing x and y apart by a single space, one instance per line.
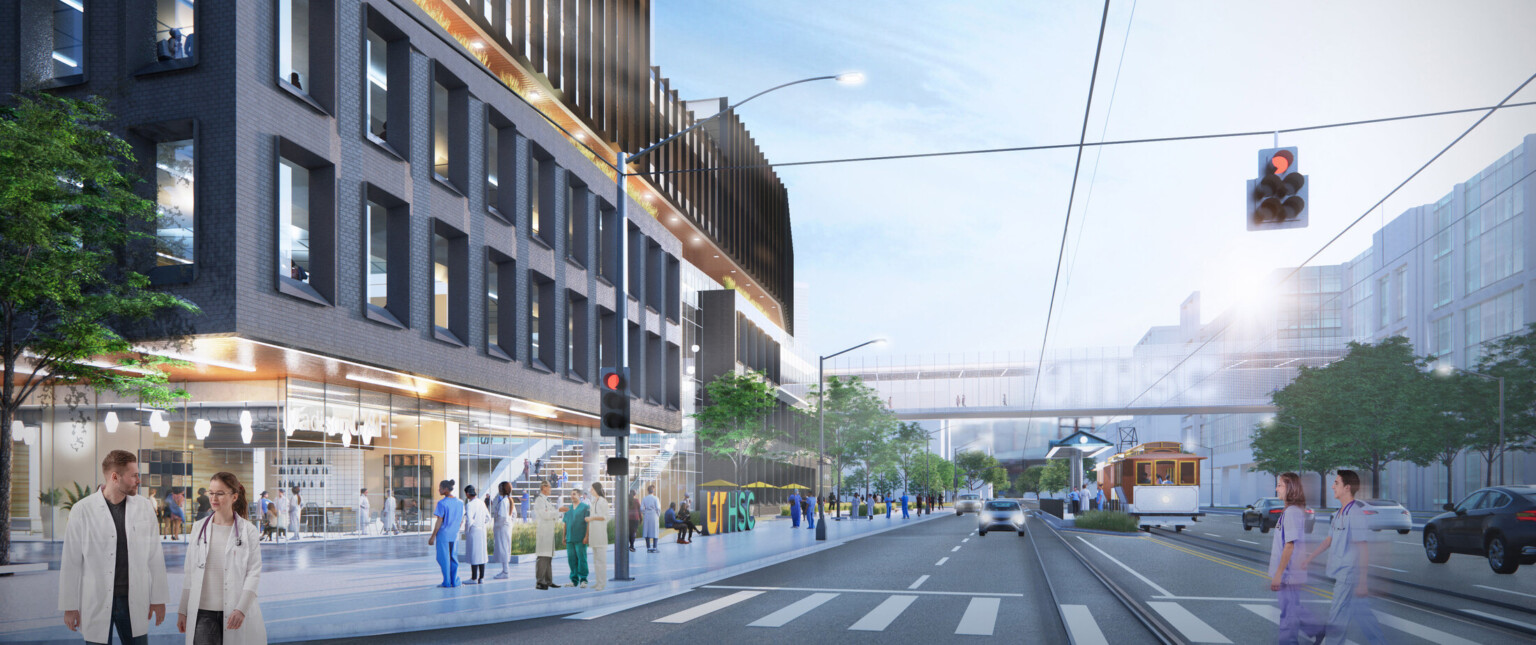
1387 515
1005 514
968 503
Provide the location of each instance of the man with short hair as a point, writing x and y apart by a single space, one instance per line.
362 512
546 512
445 532
119 587
1348 563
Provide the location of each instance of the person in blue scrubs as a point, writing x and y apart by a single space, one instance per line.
904 499
450 515
888 505
794 510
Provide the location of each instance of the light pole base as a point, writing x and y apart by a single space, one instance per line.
821 527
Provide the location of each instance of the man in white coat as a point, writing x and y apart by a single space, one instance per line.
362 512
389 511
545 511
282 515
112 576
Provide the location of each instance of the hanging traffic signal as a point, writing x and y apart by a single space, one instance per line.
613 409
1278 198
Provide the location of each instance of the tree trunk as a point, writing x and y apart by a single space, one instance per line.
1449 481
1488 468
1322 493
6 414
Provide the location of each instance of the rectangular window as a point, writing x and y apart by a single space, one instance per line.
533 318
175 175
492 304
441 285
68 38
1443 281
541 322
450 283
1441 342
174 34
576 332
535 172
306 224
605 249
492 164
606 339
1383 301
386 227
541 196
378 255
500 321
293 43
1492 319
440 130
293 221
377 57
577 199
1402 293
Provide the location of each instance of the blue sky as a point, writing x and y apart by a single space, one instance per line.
956 254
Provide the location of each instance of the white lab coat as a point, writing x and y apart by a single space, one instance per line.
501 520
650 513
282 512
242 577
547 513
86 573
294 514
389 513
475 519
362 514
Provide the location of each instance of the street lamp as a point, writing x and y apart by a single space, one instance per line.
821 420
621 304
1446 370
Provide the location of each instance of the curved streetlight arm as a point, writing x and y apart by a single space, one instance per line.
867 342
658 144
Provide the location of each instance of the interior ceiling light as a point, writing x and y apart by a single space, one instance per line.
202 428
534 95
419 389
245 426
143 349
110 422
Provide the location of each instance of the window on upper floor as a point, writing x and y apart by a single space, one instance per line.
175 200
500 321
542 173
541 321
306 227
577 322
293 22
305 50
53 40
386 65
293 224
576 221
500 166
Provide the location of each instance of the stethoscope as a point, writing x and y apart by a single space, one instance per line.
202 537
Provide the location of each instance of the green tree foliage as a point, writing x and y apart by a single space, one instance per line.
1455 426
862 430
977 469
1055 476
1028 481
930 475
1514 358
70 224
734 421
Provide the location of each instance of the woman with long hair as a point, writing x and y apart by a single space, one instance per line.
501 522
1287 565
223 572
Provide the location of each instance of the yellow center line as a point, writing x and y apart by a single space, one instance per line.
1228 563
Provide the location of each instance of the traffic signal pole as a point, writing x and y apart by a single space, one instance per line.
620 233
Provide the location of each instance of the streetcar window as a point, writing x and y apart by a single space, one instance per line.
1165 472
1187 474
1143 473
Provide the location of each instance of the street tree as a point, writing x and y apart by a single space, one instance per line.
734 420
69 224
1513 358
929 474
978 469
1028 481
1456 396
1055 476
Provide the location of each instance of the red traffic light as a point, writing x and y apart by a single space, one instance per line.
1281 162
613 381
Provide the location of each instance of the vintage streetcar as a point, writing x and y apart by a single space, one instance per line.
1155 482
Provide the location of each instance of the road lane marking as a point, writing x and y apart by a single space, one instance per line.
919 583
1143 578
1248 541
1188 624
1322 601
1501 619
882 616
941 561
1407 543
1517 593
1388 568
1427 633
966 540
980 617
795 610
1081 626
999 594
1214 535
614 609
957 548
708 607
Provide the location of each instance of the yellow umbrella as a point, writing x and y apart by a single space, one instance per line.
718 483
759 485
796 487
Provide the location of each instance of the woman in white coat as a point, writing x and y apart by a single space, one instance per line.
223 572
597 536
475 519
501 521
650 515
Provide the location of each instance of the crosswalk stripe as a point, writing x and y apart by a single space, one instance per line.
1192 627
708 607
980 617
1501 619
880 617
1272 614
1427 633
1081 626
795 610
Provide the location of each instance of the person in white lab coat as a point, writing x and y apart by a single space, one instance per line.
296 510
597 536
112 575
476 517
362 512
546 512
282 515
389 512
223 572
501 521
650 515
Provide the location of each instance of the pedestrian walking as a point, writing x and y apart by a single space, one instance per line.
523 509
812 505
634 519
888 506
390 525
1287 575
175 516
1348 561
597 536
264 509
295 512
904 499
203 508
538 465
576 539
650 514
223 572
794 510
362 512
476 517
281 507
545 511
501 526
450 517
1073 495
111 578
1098 500
525 469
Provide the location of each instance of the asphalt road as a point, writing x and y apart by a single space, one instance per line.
931 582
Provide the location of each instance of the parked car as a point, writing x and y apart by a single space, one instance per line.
1001 513
1387 515
1498 523
1265 512
968 503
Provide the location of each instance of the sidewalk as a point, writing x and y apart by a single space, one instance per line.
356 588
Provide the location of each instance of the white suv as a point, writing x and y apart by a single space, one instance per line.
968 503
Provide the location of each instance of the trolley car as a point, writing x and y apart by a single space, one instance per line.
1155 482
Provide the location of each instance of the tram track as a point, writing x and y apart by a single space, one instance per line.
1154 624
1261 557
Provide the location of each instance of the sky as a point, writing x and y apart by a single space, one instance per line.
957 254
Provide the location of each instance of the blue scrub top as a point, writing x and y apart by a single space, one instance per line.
451 509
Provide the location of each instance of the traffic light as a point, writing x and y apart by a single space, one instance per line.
613 411
1278 198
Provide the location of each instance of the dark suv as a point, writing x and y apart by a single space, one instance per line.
1498 523
1265 512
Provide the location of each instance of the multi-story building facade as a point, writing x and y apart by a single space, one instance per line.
396 218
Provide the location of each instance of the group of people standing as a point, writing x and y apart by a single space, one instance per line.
112 576
808 506
1085 498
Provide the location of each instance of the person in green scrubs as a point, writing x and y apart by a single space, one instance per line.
575 539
